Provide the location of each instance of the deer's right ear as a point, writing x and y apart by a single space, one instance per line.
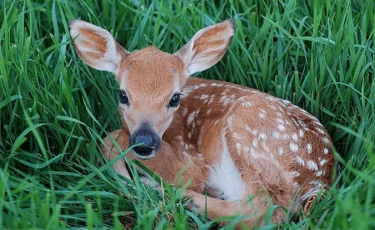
96 46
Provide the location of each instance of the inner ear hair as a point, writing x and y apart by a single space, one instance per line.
207 47
96 46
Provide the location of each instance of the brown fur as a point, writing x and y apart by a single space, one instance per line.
279 150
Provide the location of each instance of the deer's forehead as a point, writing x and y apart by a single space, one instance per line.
152 70
151 60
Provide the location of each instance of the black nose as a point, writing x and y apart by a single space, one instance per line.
149 140
147 145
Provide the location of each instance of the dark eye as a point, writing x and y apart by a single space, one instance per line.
175 101
124 98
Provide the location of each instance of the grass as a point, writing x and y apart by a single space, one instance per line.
55 110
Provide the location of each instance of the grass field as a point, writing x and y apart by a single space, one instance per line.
55 110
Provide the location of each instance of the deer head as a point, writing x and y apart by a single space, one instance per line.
150 80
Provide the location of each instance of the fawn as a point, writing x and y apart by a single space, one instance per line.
238 142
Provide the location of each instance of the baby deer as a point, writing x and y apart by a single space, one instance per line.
246 149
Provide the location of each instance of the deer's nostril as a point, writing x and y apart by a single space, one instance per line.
145 140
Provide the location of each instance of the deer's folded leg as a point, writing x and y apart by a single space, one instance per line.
111 151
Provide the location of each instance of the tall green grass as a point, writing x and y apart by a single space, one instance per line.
55 110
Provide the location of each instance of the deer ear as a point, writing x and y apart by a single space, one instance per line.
207 47
96 46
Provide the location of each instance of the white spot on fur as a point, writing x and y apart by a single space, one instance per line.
261 115
224 99
191 118
276 135
273 107
279 121
225 177
204 96
295 137
285 102
255 143
265 146
281 150
247 104
312 165
295 174
193 126
262 136
254 132
238 147
227 102
325 151
300 161
309 148
212 98
230 119
326 140
293 147
281 127
254 154
301 133
323 162
321 131
319 173
269 98
203 85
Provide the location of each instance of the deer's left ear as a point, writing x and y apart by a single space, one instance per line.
96 46
207 47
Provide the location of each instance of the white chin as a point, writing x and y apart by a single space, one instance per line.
145 157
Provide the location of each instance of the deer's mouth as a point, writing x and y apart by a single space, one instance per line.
144 156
